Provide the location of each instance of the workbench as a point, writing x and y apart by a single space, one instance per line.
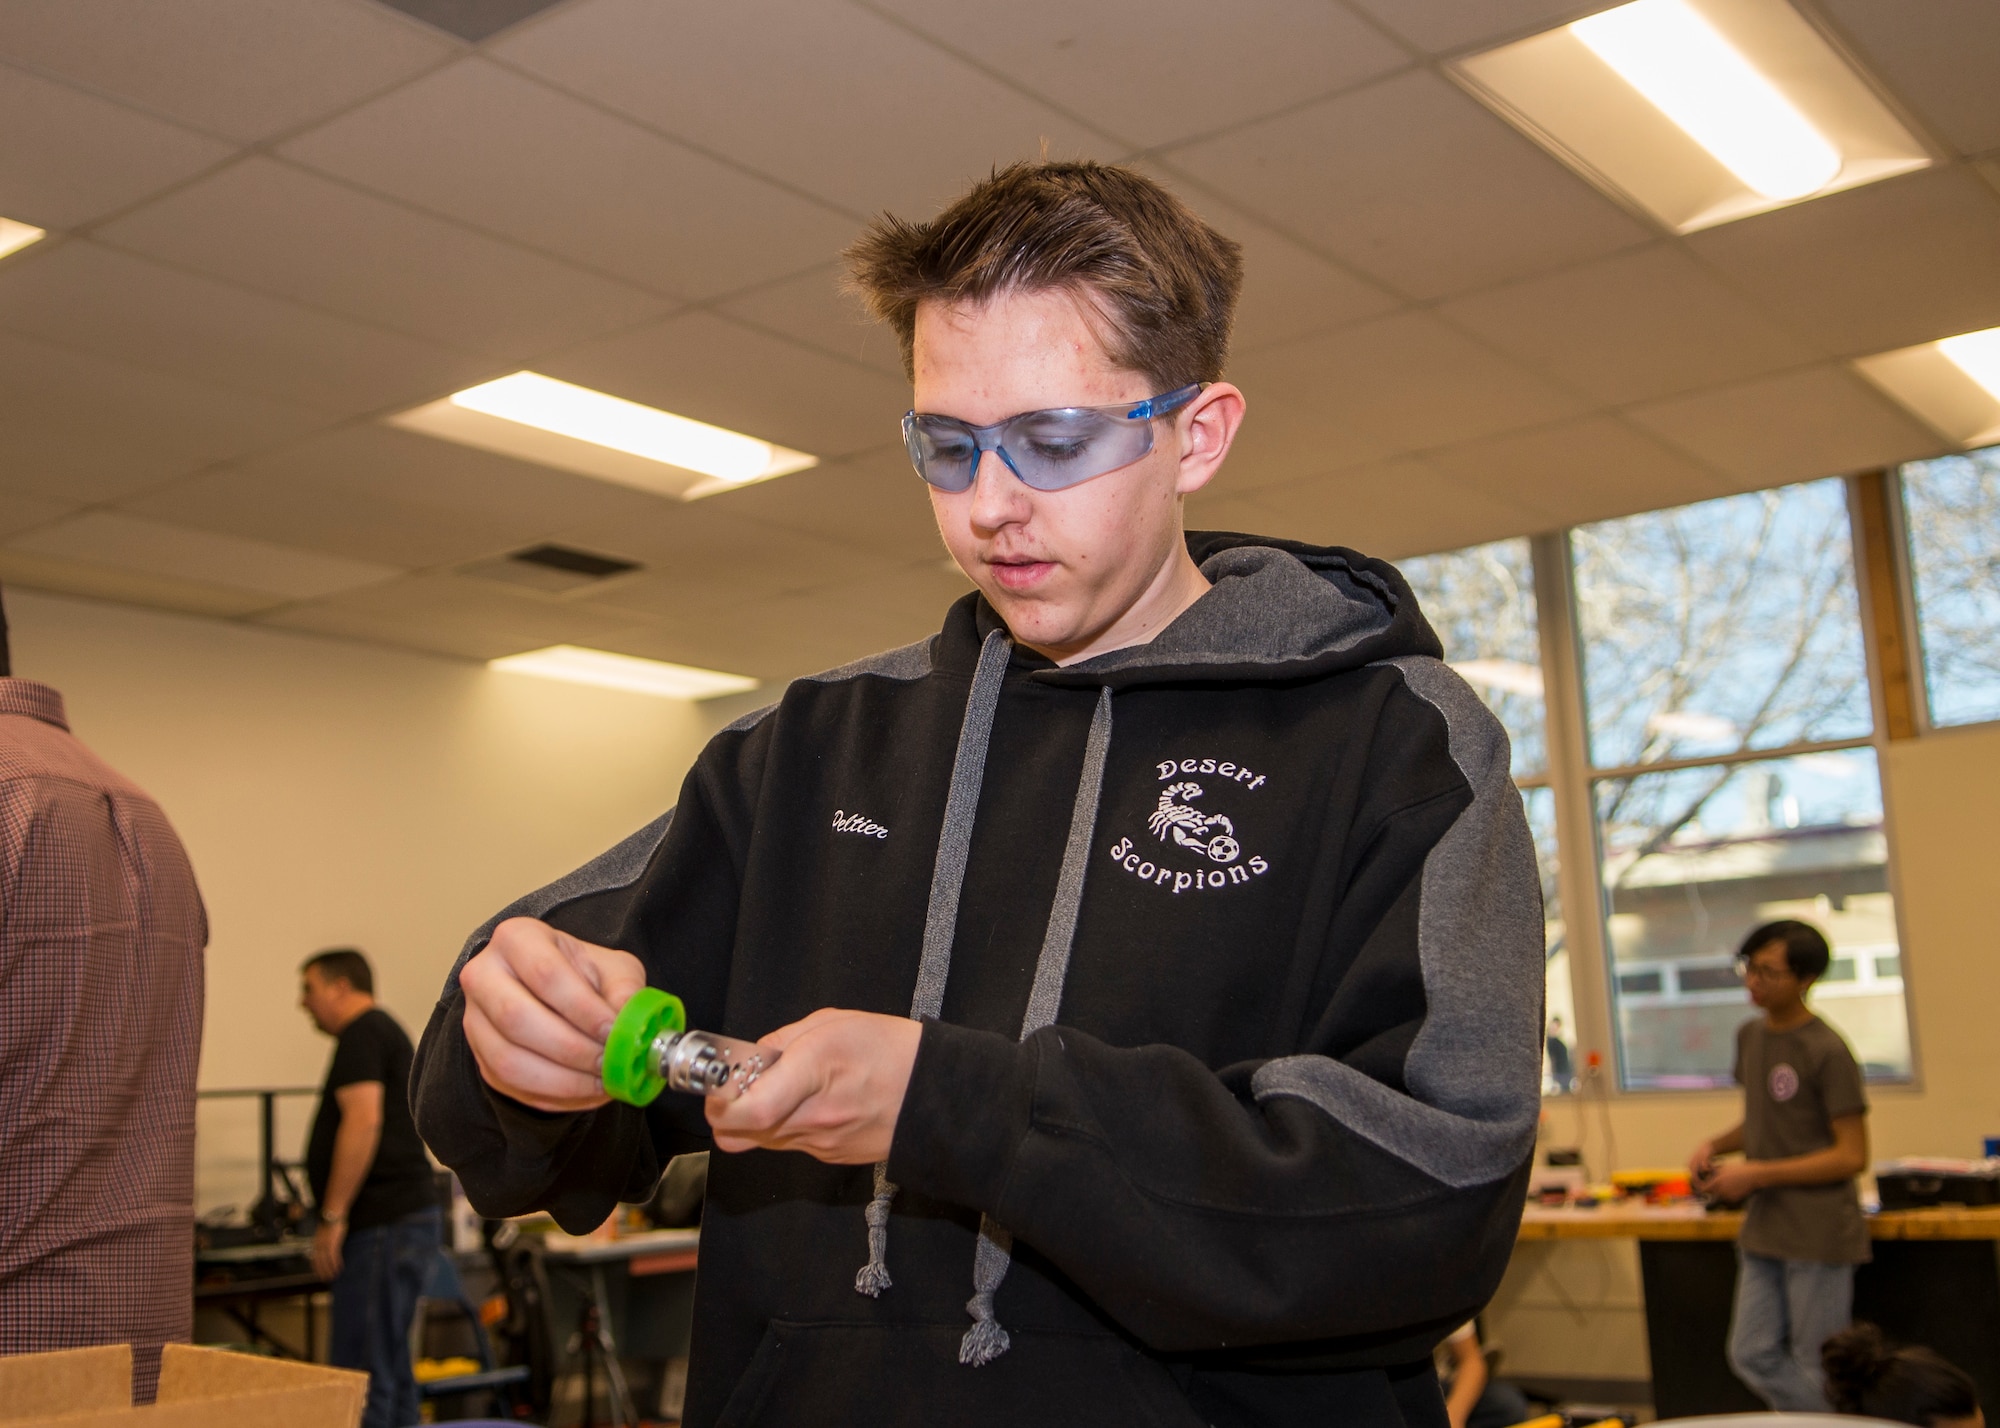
1935 1280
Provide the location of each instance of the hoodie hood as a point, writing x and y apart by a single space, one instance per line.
1277 609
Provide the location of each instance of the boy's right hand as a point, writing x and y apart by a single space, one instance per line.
1701 1164
538 1005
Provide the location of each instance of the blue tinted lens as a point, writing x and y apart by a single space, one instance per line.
1049 450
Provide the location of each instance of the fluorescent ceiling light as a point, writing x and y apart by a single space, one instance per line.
578 665
1681 63
554 423
16 236
1697 111
1952 386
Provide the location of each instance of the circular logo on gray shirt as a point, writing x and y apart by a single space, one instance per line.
1784 1082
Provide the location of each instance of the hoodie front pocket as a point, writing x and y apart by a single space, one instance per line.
811 1375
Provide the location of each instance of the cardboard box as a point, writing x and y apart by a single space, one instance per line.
199 1388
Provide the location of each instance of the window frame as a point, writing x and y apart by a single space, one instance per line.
1879 552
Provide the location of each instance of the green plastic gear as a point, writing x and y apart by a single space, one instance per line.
628 1070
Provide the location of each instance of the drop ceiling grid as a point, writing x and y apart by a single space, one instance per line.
1472 445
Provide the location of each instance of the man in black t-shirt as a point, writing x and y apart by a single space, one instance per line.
379 1224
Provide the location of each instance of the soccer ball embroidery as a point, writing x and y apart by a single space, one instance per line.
1192 828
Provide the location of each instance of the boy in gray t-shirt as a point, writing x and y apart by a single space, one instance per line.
1804 1139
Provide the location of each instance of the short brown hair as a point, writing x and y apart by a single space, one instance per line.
1165 281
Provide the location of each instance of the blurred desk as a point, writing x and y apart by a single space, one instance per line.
1935 1280
238 1279
647 1311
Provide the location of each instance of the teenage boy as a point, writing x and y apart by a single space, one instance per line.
1180 979
1804 1138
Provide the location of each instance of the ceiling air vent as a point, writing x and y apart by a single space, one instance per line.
473 20
555 569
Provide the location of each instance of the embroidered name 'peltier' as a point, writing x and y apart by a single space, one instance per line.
861 823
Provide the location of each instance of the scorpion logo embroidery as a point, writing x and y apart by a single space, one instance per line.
1192 828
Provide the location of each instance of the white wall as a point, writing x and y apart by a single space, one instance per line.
339 794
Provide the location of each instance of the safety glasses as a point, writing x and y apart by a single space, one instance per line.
1049 450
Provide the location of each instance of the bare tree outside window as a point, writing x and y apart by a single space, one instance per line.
1710 631
1481 602
1951 511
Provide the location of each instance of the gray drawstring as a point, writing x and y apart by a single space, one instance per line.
986 1340
961 806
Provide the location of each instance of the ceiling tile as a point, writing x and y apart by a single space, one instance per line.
128 587
1132 68
1874 268
182 553
70 157
810 308
1373 390
371 492
513 157
701 556
826 97
1796 427
789 636
1578 471
1939 57
244 69
1631 327
131 309
289 232
1415 184
1389 509
871 506
1444 26
718 371
453 615
24 512
83 428
1288 291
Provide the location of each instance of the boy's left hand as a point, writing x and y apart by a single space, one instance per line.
1732 1181
835 1093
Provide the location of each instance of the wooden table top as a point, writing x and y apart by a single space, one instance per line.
1692 1222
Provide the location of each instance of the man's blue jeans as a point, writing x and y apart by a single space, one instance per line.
1786 1309
382 1272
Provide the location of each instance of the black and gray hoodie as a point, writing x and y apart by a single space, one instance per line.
1229 953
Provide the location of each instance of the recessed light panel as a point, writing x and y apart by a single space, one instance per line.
15 236
1698 111
554 423
1952 386
578 665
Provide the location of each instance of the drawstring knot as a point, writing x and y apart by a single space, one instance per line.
873 1277
985 1341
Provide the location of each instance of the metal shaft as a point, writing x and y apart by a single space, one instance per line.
704 1064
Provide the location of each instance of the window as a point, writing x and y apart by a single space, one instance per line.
1481 602
1951 513
1710 634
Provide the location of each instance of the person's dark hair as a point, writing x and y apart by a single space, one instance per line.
1806 952
1165 282
1865 1376
6 655
343 964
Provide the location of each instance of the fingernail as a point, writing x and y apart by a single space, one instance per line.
600 1061
604 1032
